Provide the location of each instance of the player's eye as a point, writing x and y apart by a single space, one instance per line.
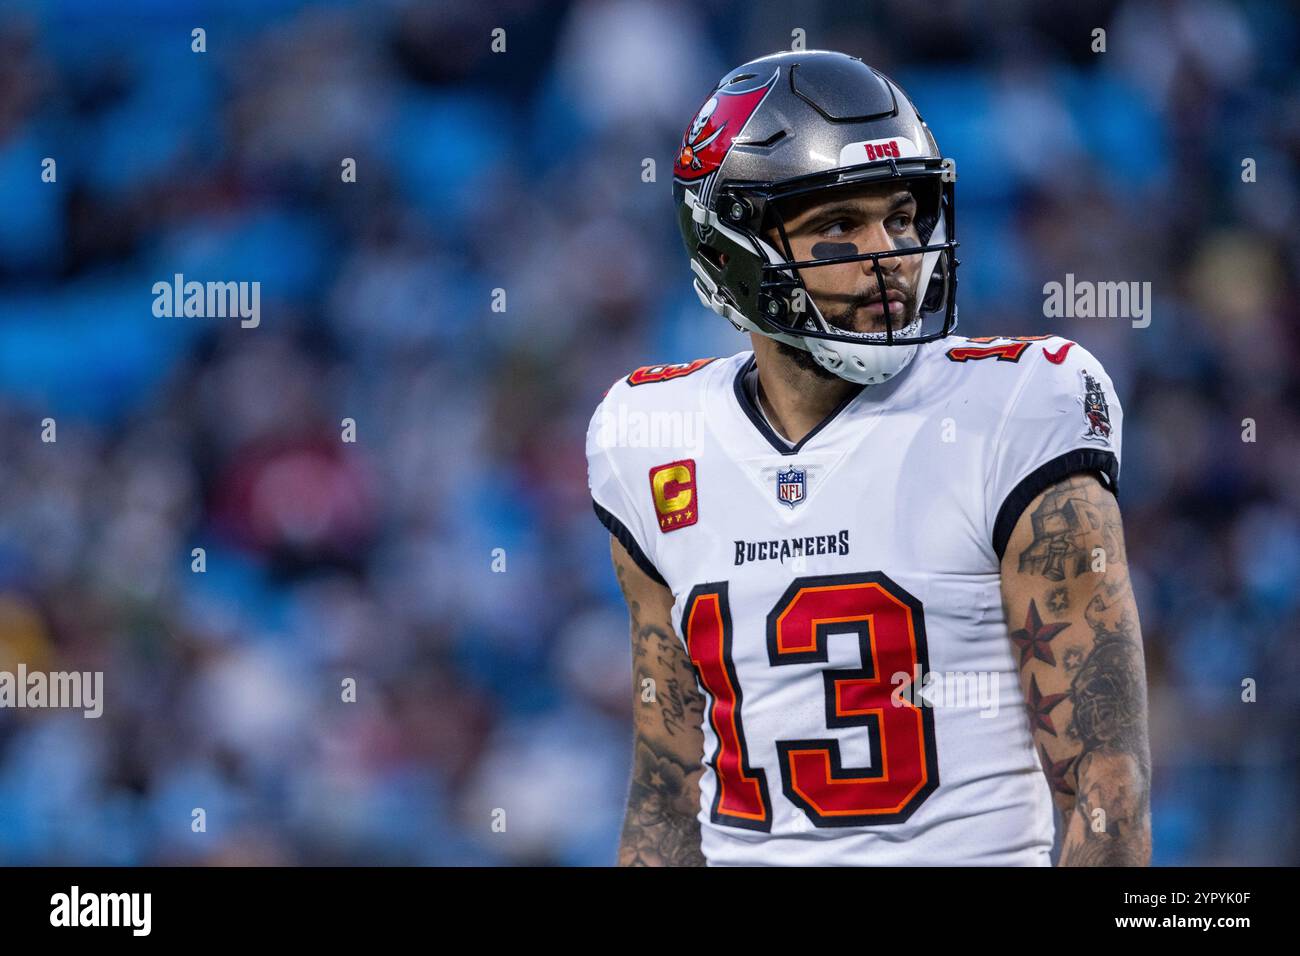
837 228
900 223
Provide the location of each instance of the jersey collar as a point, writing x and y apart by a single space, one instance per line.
756 417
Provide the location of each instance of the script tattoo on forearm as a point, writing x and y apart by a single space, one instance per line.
1105 762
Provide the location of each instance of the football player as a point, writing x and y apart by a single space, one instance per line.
880 607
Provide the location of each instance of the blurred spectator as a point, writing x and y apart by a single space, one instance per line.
491 720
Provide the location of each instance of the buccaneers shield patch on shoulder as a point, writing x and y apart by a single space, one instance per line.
1096 413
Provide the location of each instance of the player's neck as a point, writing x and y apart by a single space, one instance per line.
795 400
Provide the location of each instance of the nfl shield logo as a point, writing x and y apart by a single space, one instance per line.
790 486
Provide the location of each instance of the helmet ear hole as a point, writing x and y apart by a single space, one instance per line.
937 291
929 200
712 256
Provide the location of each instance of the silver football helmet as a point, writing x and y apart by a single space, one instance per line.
792 125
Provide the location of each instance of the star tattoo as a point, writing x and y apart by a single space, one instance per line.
1033 638
1056 772
1040 707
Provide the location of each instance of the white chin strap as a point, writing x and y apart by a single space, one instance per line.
865 364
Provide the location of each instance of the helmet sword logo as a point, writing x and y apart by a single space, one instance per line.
720 120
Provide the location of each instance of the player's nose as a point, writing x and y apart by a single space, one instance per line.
878 239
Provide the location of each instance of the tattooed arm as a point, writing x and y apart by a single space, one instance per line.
1074 629
660 828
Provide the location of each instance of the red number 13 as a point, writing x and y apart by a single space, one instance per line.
890 628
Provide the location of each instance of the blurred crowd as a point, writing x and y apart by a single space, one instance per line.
501 258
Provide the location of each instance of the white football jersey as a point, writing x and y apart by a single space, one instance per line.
840 598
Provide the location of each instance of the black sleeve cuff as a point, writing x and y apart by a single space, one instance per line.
624 537
1037 481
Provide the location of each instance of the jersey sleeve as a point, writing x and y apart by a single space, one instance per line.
610 496
1064 419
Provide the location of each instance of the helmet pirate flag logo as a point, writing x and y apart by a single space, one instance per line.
1096 411
716 126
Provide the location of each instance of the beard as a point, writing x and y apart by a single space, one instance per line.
802 359
843 320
